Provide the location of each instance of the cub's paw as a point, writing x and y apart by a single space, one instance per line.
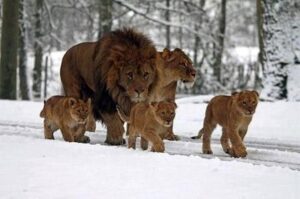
83 139
172 137
238 152
158 148
207 151
91 126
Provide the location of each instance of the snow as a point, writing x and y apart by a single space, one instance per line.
32 167
293 85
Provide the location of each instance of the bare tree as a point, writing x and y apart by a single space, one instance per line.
168 27
219 47
276 45
9 49
38 51
22 54
105 17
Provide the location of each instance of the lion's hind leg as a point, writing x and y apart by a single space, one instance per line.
144 143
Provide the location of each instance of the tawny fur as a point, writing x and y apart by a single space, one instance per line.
67 114
234 113
150 121
171 67
117 69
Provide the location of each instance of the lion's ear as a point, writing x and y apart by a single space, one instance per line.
89 103
166 53
153 105
234 93
256 93
118 52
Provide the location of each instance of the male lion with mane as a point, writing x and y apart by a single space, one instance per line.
116 70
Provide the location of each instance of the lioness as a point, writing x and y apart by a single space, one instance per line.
171 67
150 121
67 114
234 113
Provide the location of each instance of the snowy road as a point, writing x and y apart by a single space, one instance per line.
30 166
260 152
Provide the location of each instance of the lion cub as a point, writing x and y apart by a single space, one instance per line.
151 121
234 113
67 114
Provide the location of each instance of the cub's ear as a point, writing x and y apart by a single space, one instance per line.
234 93
172 102
175 104
71 101
256 93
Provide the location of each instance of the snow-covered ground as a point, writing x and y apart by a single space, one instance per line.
31 167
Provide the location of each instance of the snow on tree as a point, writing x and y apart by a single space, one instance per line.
277 50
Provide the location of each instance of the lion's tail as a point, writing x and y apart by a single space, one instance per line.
122 115
43 114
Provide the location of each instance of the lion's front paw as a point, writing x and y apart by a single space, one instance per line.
115 141
207 151
238 151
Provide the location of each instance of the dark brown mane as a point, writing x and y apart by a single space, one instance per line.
116 50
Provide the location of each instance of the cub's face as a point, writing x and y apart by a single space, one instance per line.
136 81
246 101
164 112
79 110
179 65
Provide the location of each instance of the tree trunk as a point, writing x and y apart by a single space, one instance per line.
220 42
168 28
22 55
38 51
105 17
276 48
261 54
197 38
9 49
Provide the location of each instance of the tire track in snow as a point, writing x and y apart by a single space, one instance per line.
259 153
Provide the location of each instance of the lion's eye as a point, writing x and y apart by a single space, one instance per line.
163 112
146 75
130 75
244 103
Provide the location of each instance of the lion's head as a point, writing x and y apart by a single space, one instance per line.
164 112
178 65
127 60
78 109
246 101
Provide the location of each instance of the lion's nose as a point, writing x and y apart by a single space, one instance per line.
139 90
193 72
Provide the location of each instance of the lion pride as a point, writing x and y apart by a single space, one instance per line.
116 70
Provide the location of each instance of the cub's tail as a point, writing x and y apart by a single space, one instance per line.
198 136
43 114
122 115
